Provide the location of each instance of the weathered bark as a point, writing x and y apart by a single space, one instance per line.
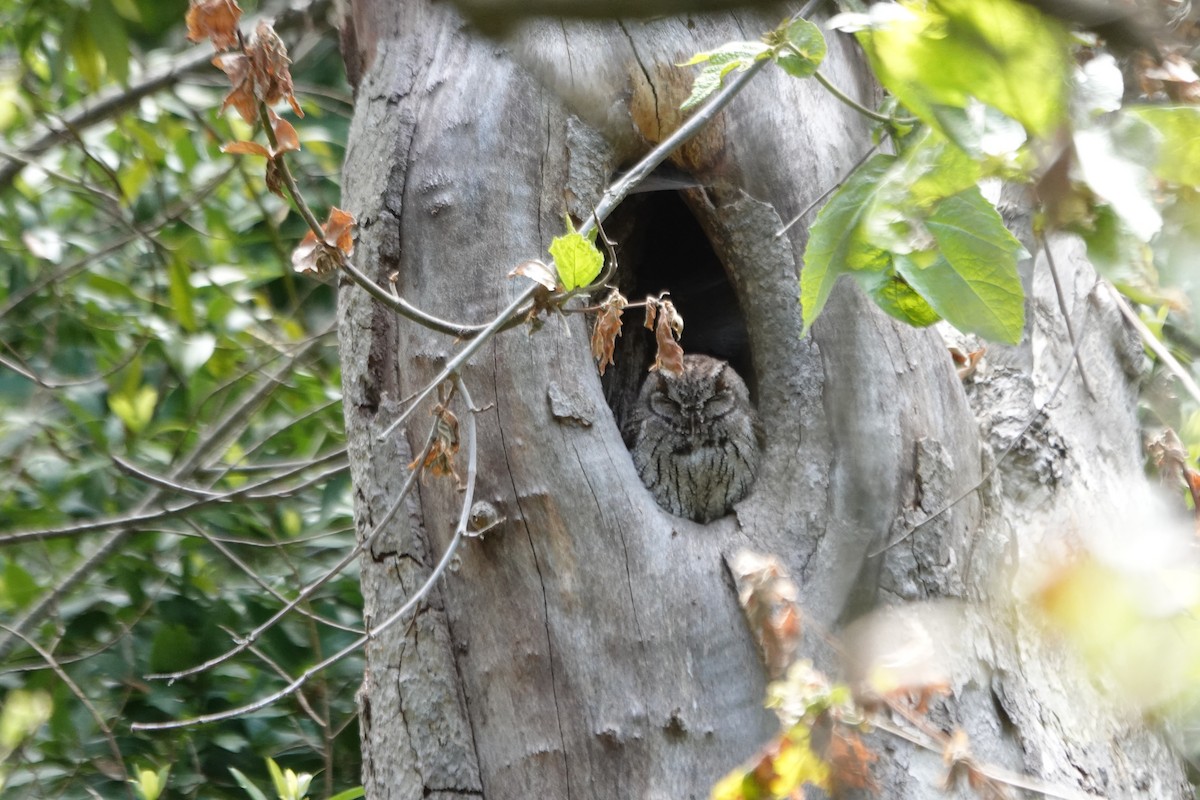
592 646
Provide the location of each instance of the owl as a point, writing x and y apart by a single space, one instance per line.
696 439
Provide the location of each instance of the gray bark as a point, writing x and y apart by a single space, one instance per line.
592 646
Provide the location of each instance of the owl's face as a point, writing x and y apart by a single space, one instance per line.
696 402
697 440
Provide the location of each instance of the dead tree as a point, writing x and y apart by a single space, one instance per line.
591 645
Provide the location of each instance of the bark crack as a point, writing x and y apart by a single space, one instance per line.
645 73
541 582
637 623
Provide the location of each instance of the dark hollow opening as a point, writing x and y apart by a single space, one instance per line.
660 247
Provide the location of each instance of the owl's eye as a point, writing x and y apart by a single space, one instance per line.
721 400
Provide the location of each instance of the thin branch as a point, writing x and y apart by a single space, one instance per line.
1151 341
1062 307
82 698
307 591
936 741
173 214
142 518
220 433
874 149
158 481
109 103
400 613
254 576
854 104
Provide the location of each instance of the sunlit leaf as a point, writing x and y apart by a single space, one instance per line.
944 52
802 48
576 258
836 243
973 282
717 64
1179 154
135 409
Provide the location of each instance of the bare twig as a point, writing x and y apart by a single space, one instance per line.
109 103
819 198
392 619
217 436
1062 306
106 731
1151 341
308 590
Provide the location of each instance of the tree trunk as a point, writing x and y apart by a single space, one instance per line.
592 645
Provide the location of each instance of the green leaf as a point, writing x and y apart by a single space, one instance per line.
109 33
136 408
149 783
802 49
893 294
349 794
173 648
244 782
81 45
1179 154
277 778
1115 251
180 289
719 63
190 353
576 258
1002 52
972 281
929 170
17 586
836 242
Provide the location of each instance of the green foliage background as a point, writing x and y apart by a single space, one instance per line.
145 296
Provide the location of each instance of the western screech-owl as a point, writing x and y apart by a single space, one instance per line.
696 439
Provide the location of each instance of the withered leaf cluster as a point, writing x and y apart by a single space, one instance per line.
607 329
215 20
324 255
259 72
439 460
668 355
286 139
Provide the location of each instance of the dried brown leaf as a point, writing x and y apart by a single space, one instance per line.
607 329
850 761
272 72
246 149
651 311
669 355
961 766
286 138
236 67
324 255
215 20
538 272
768 597
966 363
439 461
901 654
259 73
